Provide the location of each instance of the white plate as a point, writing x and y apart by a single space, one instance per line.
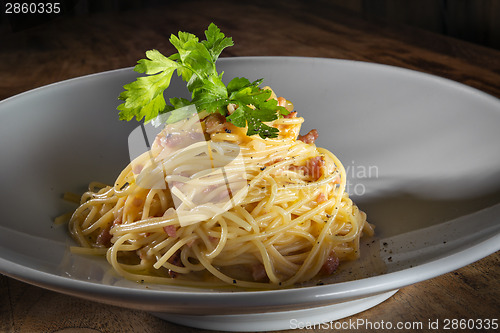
421 154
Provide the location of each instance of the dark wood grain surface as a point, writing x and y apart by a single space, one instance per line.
74 46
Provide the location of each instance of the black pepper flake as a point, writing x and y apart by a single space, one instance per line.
227 130
234 281
263 168
385 244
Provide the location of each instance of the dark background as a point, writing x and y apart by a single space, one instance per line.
476 21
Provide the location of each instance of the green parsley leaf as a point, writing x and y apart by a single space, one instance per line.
195 64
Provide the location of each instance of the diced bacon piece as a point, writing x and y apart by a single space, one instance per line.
142 253
321 198
259 273
282 101
171 140
137 201
291 115
209 189
313 167
331 264
310 137
175 260
195 136
171 230
137 168
104 238
214 123
117 221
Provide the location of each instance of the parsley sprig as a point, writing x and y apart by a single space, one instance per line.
195 63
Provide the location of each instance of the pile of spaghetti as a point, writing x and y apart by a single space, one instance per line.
211 204
291 221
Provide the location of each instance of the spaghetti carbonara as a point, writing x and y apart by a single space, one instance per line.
208 205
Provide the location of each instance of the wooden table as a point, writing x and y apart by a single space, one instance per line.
71 47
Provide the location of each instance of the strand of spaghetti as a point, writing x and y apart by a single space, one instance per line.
204 238
273 194
304 185
182 197
157 249
101 194
76 232
102 222
186 258
178 269
266 261
112 253
247 217
144 225
285 265
285 227
266 171
214 271
238 220
222 241
289 121
173 249
140 267
89 219
147 204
